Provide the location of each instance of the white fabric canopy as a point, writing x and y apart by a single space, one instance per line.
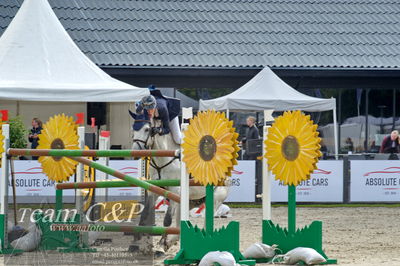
40 62
267 91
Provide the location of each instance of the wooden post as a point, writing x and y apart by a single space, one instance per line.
4 189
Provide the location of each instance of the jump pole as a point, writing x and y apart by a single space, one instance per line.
4 192
104 144
187 113
5 247
156 230
134 181
80 175
113 184
94 153
266 174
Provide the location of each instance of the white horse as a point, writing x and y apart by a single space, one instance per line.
169 168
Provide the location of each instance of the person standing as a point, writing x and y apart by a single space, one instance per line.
252 133
349 146
391 143
34 134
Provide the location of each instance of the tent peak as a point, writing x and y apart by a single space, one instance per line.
40 62
267 91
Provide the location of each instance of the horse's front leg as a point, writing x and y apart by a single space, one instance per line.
144 243
173 213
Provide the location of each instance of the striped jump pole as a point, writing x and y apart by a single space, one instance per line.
112 184
131 180
155 230
94 153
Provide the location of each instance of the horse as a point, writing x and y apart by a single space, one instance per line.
168 168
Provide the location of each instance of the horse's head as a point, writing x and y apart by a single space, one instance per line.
142 139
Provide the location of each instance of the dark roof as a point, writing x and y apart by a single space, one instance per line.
231 33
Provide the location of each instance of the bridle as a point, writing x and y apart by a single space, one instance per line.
139 142
153 164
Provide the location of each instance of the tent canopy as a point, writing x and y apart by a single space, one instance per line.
40 62
186 101
266 91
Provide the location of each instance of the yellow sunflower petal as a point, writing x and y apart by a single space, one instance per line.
210 147
292 147
60 130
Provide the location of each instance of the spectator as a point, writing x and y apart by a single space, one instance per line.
252 133
324 150
374 148
33 136
390 144
348 145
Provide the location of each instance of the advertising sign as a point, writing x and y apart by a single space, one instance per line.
375 181
325 185
242 188
128 167
32 185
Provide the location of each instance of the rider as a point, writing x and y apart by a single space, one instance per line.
162 108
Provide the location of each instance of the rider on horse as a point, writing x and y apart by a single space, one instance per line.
164 109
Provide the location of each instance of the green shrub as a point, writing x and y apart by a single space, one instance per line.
18 133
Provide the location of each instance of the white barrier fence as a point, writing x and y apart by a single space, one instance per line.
371 181
325 185
32 185
242 182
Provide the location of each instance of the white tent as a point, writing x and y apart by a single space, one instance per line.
40 62
266 91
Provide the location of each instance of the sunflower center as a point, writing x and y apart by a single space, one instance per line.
207 147
290 148
57 144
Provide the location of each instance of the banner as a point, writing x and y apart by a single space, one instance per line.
325 185
375 181
242 182
128 167
32 185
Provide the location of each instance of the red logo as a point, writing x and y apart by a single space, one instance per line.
30 171
129 170
388 170
321 172
237 172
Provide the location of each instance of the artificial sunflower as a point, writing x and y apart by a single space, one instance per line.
209 147
235 154
58 133
292 147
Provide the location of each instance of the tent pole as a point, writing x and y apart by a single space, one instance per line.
339 118
18 108
394 110
227 113
335 133
366 120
